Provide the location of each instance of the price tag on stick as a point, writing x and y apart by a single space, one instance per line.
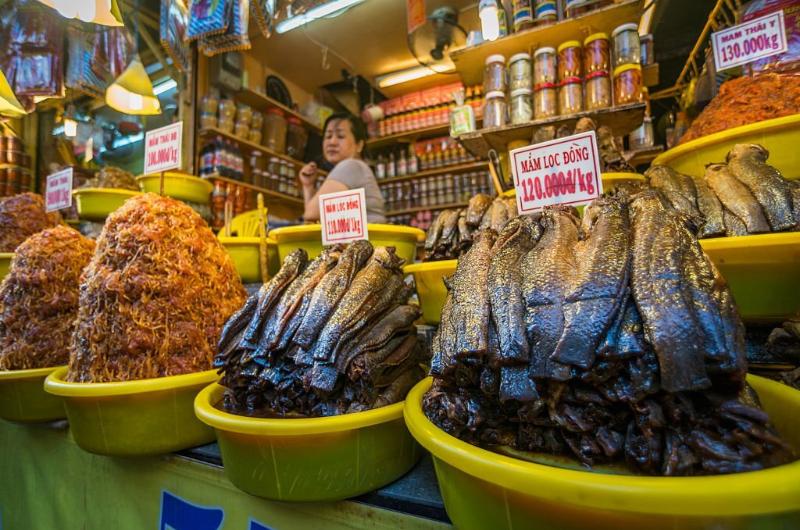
344 216
58 190
748 42
562 171
162 148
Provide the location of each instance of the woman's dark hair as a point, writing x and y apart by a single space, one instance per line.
356 125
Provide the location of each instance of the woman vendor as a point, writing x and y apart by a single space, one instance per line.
343 142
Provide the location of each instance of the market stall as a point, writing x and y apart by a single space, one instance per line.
524 264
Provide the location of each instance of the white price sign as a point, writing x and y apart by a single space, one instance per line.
562 171
748 42
58 190
162 148
344 216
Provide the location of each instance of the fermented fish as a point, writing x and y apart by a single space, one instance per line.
711 210
736 197
679 189
398 321
733 225
434 232
478 205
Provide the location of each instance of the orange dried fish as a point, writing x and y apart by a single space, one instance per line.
21 216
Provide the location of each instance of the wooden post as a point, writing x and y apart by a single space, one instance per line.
262 238
228 216
161 185
494 167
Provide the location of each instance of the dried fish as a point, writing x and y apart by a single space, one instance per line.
736 197
679 189
478 205
711 210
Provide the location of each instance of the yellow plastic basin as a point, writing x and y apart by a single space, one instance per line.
95 204
5 263
309 237
429 279
310 459
612 180
178 185
23 399
763 272
244 252
482 489
780 136
145 417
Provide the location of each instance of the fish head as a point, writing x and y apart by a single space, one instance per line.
585 124
753 151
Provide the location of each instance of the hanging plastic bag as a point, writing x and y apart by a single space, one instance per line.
235 38
261 11
207 18
173 27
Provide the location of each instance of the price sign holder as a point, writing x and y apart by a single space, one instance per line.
750 41
58 190
343 216
162 150
562 171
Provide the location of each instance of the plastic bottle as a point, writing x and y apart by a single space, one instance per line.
390 167
402 166
413 163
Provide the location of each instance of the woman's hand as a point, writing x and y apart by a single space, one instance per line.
308 175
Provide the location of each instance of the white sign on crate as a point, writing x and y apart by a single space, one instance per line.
58 190
748 42
344 216
561 171
162 148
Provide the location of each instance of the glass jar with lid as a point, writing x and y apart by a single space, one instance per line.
627 48
296 137
596 53
627 84
494 109
545 101
521 110
544 66
275 127
494 74
569 60
519 71
597 91
570 96
545 11
646 47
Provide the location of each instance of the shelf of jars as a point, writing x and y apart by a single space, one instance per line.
289 200
408 136
262 102
436 207
621 119
640 157
470 61
210 132
443 170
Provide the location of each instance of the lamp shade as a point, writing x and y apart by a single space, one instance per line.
103 12
9 104
132 91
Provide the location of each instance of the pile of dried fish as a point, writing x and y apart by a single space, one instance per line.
609 149
328 337
112 177
21 216
611 339
450 234
743 196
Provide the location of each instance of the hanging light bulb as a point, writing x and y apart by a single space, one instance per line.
132 91
490 25
9 104
103 12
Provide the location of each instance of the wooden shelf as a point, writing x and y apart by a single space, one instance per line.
409 136
416 209
296 202
650 75
470 61
453 168
14 166
622 120
262 102
213 131
643 156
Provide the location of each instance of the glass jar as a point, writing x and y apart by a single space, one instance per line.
573 8
521 14
255 136
244 114
596 53
597 90
545 11
646 50
209 104
642 137
627 48
494 74
627 84
257 120
544 66
519 71
521 110
545 101
208 121
227 110
275 127
242 129
570 96
494 109
569 60
296 138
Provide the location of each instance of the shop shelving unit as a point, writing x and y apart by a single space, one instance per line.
248 145
452 168
408 136
262 102
405 211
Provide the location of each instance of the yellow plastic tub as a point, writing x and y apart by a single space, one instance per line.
309 237
178 185
130 418
482 489
244 252
429 279
23 399
95 204
780 136
5 263
310 459
763 272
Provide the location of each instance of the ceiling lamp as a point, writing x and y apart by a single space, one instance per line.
132 91
9 104
324 9
404 76
103 12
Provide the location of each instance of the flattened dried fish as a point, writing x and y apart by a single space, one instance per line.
478 205
658 288
711 209
443 340
748 163
736 197
733 225
631 333
515 384
434 232
597 286
794 188
464 230
679 189
499 215
396 322
237 322
449 228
